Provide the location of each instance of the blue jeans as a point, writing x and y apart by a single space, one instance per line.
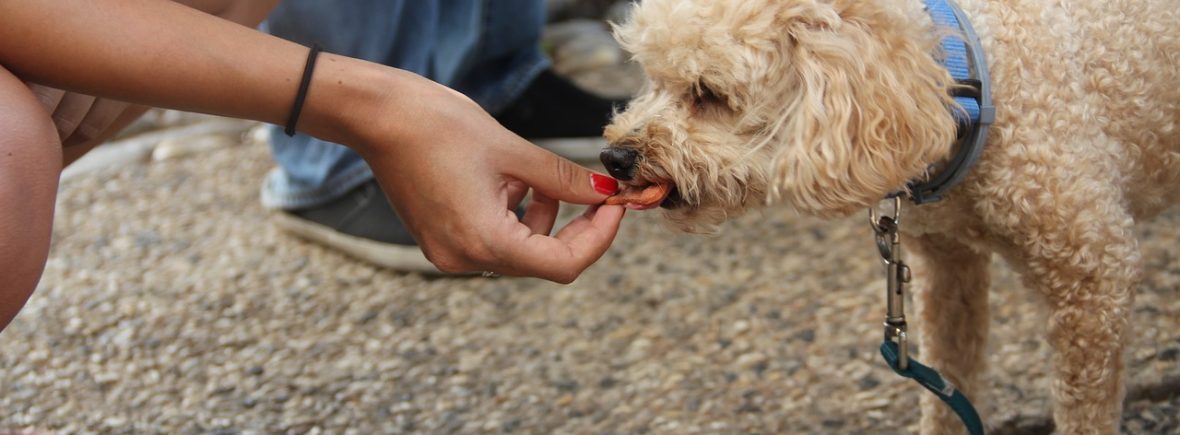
487 49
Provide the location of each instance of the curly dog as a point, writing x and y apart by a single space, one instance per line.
828 106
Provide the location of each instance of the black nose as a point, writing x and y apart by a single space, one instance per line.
619 162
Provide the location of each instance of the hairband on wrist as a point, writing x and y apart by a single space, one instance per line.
302 94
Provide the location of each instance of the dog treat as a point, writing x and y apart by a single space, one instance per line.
647 197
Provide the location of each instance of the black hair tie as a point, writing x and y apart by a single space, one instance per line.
303 85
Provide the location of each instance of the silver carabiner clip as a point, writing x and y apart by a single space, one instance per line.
885 229
897 275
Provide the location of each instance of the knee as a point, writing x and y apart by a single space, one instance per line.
30 144
30 160
30 149
30 163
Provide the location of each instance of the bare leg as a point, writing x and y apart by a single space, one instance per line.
953 311
30 163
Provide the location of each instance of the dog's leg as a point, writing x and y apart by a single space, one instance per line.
1083 257
953 326
1088 328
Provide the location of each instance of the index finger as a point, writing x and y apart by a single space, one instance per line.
557 177
562 258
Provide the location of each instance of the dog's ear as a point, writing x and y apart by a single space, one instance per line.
863 106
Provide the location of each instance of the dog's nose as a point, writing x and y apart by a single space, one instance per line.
619 162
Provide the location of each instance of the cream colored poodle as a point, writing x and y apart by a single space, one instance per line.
830 105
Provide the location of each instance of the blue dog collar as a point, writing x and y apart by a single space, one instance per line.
968 66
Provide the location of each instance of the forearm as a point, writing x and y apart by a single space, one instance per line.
248 13
245 12
158 53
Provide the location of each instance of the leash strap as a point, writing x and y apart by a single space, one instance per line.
931 380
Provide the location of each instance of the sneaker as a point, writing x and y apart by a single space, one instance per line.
362 224
553 112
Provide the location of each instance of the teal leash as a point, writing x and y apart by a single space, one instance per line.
934 382
895 348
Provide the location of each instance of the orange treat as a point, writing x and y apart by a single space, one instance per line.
649 196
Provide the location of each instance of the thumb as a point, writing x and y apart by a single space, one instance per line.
559 178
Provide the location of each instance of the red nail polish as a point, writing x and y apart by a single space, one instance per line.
604 184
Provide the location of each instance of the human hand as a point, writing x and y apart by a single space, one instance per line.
455 176
79 118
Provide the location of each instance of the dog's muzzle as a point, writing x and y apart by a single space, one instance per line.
620 162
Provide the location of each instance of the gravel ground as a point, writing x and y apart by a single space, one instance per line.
170 305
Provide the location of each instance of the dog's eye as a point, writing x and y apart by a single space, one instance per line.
704 97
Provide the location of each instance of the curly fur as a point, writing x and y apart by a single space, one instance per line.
829 105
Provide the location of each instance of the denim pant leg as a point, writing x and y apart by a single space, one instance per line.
487 49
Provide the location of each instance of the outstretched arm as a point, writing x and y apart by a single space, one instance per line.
451 171
246 12
83 121
153 52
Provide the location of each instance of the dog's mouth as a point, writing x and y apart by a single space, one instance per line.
647 195
673 200
638 193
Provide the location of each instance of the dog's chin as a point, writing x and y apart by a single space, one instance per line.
699 211
705 210
699 219
673 201
689 215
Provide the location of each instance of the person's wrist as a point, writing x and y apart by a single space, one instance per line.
344 100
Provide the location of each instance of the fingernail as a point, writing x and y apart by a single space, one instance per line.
604 184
